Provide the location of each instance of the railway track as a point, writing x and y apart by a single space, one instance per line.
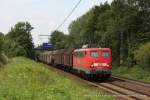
125 91
125 88
145 84
121 88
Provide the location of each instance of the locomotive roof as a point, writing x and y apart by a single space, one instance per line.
90 49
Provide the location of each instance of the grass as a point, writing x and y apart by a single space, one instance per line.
24 79
136 72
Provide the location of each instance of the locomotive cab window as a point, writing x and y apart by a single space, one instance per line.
80 54
105 54
94 54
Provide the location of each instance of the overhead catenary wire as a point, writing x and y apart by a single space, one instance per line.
66 18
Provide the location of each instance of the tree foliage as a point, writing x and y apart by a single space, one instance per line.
123 26
13 49
58 39
18 41
3 58
1 41
142 55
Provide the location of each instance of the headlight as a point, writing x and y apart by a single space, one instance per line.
100 64
95 64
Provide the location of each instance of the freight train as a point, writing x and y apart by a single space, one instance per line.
91 63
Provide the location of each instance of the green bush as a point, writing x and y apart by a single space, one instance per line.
136 72
142 55
1 41
13 49
3 59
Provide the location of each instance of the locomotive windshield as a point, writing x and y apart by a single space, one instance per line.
94 54
105 54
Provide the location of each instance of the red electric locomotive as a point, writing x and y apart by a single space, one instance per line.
93 62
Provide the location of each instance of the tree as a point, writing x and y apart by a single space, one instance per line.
13 49
132 23
3 58
20 34
142 55
123 26
58 39
1 41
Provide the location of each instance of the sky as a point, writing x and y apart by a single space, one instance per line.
43 15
